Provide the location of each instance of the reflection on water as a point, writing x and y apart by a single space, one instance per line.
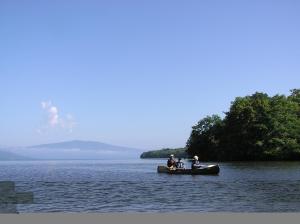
134 186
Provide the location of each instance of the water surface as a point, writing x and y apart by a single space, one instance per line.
135 186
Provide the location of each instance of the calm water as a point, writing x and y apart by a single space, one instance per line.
134 186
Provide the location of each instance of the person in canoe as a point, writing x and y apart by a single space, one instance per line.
180 164
195 163
171 163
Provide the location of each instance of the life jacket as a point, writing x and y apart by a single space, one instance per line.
179 165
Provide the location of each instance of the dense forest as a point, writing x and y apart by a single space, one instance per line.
256 127
165 153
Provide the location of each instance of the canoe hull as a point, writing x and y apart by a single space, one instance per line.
205 170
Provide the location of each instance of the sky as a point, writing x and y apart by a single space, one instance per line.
137 73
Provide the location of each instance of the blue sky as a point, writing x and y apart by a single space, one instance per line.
137 73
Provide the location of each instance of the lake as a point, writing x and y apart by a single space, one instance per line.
135 186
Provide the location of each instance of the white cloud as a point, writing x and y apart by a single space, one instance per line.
68 123
45 104
53 116
52 112
54 119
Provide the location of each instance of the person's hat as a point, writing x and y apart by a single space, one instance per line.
171 155
196 157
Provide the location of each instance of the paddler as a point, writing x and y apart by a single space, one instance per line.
171 162
195 163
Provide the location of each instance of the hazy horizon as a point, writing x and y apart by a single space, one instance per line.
58 142
137 73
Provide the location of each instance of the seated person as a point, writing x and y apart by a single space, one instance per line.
196 163
171 162
179 164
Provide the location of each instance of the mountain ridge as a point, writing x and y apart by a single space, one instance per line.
76 149
10 156
82 144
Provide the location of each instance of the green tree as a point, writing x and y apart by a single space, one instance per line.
284 132
246 125
256 127
204 138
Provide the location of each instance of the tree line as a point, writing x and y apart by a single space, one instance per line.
256 127
165 153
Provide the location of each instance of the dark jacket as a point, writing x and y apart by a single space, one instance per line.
171 162
195 164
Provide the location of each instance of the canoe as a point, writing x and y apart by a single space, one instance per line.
204 170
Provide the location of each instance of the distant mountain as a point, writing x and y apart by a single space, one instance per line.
6 155
84 145
77 150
